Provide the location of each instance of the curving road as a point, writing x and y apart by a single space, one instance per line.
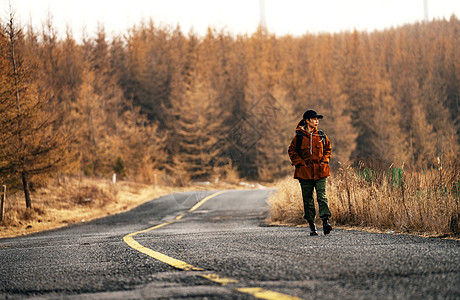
218 248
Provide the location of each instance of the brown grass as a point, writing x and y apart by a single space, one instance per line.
424 202
72 200
286 207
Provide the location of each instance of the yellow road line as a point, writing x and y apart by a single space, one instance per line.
204 200
218 279
266 294
256 292
151 228
159 256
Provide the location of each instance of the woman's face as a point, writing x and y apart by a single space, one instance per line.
313 122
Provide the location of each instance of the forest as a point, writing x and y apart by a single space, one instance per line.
157 100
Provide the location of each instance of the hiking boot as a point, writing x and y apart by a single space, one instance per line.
326 227
313 229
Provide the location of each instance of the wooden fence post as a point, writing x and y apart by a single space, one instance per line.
2 202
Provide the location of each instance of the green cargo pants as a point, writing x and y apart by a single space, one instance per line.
308 202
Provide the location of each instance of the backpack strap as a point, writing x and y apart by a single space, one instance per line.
323 137
298 144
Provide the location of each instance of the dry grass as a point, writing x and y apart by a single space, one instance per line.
421 203
286 207
72 200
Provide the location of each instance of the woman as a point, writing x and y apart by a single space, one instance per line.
310 151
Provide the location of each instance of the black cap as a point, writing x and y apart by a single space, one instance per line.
311 114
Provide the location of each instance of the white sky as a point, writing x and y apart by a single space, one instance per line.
236 16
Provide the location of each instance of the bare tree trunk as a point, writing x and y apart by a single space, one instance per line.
3 199
13 38
25 183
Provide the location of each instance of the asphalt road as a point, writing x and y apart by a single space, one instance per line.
221 249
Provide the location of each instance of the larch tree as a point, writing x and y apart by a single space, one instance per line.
327 98
111 128
274 114
263 62
358 86
197 130
147 77
141 144
386 140
87 126
31 144
400 59
49 55
69 75
422 147
402 82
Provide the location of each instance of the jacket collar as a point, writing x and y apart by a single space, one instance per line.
300 128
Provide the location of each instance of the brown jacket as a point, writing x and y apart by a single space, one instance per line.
314 158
